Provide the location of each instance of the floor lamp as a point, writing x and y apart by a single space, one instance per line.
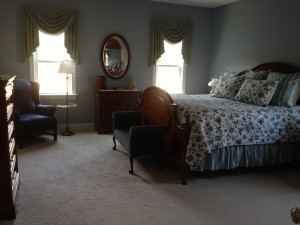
67 67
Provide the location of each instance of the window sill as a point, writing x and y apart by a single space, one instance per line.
57 96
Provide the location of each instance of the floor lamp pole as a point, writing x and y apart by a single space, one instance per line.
67 131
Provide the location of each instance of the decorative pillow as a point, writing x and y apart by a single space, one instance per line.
280 76
243 72
228 74
297 96
235 74
287 90
228 87
285 93
258 75
257 92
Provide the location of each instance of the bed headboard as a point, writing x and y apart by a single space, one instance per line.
276 67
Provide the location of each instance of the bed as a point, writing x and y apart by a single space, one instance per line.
213 133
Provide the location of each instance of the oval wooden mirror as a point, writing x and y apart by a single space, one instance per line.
115 56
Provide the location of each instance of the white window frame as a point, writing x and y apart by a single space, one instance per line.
33 70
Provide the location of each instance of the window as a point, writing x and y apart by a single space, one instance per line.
45 64
169 70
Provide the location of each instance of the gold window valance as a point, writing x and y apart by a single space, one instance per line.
51 21
173 32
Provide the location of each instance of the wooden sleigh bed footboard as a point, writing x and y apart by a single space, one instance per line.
176 144
177 137
160 107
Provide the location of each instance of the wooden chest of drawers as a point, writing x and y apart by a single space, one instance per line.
109 101
9 174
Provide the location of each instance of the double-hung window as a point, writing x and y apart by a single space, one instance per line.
45 64
169 69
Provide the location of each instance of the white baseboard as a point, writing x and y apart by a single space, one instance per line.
77 126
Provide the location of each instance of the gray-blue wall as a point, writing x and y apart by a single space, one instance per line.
97 20
251 32
233 37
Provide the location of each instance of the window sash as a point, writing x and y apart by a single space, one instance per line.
170 78
57 80
169 72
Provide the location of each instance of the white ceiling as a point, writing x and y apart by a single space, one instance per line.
200 3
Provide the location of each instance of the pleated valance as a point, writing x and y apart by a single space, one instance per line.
51 21
172 32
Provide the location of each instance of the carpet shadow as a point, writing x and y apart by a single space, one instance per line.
40 143
284 172
146 168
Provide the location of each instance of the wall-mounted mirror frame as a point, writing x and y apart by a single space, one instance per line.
115 56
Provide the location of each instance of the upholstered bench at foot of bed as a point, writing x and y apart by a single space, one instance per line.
138 140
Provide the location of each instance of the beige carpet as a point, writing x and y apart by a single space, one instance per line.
81 180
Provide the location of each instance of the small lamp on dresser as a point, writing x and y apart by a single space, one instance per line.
67 67
212 84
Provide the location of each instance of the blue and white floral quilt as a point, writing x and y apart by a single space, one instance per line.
218 123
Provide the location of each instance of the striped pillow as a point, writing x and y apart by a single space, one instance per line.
297 96
258 75
286 90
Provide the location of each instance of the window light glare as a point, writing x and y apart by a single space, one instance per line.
50 53
169 69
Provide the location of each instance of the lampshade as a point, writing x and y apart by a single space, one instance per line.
213 83
67 67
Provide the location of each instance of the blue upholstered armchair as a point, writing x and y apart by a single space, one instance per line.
136 138
32 117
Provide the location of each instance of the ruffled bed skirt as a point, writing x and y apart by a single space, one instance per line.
250 155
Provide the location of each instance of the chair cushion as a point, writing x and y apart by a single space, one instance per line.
23 96
35 123
146 140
